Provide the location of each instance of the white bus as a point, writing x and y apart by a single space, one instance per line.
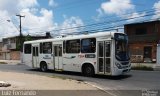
97 53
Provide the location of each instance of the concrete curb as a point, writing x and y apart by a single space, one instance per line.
157 68
95 86
152 65
14 62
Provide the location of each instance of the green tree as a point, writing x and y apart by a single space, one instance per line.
28 38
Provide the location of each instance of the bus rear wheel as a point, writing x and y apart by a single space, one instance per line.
43 67
88 70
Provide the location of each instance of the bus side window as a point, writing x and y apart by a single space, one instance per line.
88 45
47 47
73 46
41 47
27 48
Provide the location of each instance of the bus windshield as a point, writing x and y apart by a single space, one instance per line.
121 47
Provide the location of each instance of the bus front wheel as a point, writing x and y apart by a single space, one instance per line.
43 67
88 70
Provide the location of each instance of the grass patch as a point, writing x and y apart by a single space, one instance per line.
142 67
3 63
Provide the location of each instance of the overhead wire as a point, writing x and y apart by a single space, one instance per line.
99 24
109 22
95 24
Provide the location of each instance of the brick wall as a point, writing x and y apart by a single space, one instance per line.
137 51
138 42
15 55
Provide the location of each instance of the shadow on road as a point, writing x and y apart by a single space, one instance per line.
120 77
67 73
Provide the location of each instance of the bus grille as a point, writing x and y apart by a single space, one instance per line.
125 63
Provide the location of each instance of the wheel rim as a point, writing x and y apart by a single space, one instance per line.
44 68
88 70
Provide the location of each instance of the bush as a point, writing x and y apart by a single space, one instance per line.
142 68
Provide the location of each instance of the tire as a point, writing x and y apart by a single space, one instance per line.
43 67
88 70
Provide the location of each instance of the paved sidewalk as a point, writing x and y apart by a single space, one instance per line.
10 61
144 64
152 65
22 84
21 81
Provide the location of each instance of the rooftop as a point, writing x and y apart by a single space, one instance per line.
150 21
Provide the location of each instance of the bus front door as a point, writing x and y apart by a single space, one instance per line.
57 56
35 56
104 57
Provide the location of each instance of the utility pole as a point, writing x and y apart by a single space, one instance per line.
20 30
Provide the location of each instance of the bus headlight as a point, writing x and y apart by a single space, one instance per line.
129 65
118 65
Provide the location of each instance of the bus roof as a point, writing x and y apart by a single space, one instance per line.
70 37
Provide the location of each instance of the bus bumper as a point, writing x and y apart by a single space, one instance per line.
121 71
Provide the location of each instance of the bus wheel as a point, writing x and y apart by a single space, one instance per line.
43 67
88 70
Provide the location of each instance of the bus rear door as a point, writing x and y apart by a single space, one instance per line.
57 56
35 54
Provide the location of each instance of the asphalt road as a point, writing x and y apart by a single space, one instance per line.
133 84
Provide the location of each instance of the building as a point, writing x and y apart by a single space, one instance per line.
10 46
143 40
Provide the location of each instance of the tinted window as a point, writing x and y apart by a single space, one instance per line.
100 49
47 47
73 46
64 47
107 49
56 50
37 51
34 51
88 45
41 47
60 50
27 48
120 37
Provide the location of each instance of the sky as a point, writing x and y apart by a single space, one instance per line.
73 16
